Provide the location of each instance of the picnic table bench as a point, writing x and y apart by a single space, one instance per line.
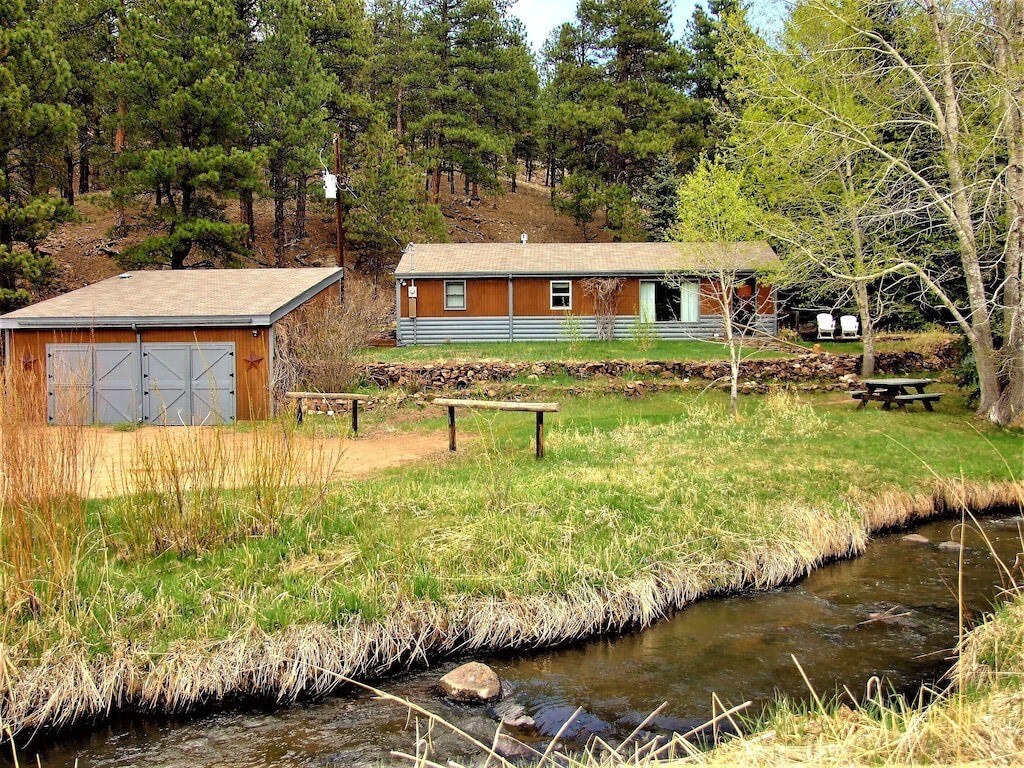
896 391
329 397
496 405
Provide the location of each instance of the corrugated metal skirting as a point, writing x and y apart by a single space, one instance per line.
454 330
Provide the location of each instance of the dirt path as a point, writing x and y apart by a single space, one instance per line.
119 459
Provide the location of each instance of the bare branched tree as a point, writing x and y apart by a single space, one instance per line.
604 292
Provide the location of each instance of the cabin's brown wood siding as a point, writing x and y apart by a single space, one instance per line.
485 297
532 298
488 297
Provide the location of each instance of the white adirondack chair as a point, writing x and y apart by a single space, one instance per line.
826 326
849 327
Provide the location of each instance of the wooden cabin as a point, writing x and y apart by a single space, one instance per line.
161 347
462 292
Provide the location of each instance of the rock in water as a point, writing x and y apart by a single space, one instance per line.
915 538
950 546
512 715
508 747
472 682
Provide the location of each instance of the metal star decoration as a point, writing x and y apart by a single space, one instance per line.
253 361
28 360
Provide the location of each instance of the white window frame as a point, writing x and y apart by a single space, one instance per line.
448 308
551 295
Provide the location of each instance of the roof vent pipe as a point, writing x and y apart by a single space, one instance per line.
523 238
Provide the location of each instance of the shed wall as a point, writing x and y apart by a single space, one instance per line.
252 378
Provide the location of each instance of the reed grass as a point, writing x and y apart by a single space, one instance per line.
44 479
640 508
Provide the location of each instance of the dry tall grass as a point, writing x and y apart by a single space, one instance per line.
44 478
190 489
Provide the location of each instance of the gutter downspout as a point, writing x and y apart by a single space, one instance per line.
511 313
398 311
7 349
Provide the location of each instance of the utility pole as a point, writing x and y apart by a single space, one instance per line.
339 211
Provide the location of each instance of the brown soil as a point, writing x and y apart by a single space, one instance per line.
116 469
85 251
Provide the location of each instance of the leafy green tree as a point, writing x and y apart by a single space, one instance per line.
715 212
186 122
34 118
938 89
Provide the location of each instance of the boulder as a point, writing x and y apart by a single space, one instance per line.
950 546
915 538
473 682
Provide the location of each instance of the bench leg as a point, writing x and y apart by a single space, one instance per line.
928 405
540 434
355 417
863 402
298 412
451 427
887 405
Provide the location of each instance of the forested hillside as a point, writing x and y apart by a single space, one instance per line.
878 145
199 129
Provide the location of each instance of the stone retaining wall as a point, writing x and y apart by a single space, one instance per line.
826 368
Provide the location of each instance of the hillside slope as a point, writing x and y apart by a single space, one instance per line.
85 250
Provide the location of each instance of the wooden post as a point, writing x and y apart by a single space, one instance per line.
451 427
339 214
298 411
540 434
355 417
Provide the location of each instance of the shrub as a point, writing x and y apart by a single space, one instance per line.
315 347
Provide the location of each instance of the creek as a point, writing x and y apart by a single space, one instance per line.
737 647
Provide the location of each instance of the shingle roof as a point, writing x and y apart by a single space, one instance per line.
449 259
229 297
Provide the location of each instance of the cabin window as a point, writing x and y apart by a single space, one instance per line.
561 294
455 294
662 302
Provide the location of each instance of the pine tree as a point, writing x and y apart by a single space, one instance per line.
34 118
711 70
186 121
615 78
387 208
292 90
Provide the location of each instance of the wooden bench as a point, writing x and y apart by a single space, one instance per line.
495 405
923 397
330 397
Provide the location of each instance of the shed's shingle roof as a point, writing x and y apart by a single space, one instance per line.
179 297
449 259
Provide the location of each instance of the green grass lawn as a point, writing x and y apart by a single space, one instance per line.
628 486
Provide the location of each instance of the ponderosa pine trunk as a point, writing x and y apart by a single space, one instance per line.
279 191
300 207
247 216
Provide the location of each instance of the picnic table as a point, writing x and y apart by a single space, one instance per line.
896 391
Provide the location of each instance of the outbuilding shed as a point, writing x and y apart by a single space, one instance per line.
458 292
161 347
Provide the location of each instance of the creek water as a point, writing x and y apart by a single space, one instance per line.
736 647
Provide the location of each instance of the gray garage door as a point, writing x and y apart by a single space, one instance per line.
188 383
170 384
